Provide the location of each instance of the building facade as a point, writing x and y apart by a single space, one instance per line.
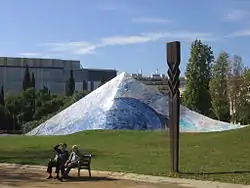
51 73
159 81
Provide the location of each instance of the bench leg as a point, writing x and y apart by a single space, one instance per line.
89 172
79 172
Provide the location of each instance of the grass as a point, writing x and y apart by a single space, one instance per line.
222 156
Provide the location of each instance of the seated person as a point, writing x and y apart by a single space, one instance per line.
72 161
59 160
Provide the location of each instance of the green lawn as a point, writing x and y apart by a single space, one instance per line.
210 156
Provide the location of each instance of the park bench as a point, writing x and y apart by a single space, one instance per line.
84 163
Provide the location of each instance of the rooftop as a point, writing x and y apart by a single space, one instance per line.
37 58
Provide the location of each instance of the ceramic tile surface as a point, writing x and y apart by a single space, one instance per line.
124 103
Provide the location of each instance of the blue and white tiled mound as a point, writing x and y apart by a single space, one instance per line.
128 113
191 121
124 103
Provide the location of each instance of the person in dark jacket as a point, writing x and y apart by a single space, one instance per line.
59 160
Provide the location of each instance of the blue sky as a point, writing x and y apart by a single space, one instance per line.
127 35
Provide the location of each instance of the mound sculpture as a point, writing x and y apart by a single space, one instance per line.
124 103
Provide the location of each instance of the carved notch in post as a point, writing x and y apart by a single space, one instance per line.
173 60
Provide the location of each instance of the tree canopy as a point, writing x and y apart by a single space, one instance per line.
198 74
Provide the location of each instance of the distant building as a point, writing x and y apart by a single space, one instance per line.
52 73
159 81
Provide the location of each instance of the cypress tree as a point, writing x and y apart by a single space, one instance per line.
26 79
2 96
70 85
13 123
218 87
84 85
198 74
33 81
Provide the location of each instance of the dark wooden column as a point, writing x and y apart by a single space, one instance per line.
173 60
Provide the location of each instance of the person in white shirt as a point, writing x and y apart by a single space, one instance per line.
72 161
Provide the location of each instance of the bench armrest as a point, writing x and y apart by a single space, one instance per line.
87 155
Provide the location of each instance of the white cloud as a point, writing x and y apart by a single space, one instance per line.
29 54
72 47
83 47
133 39
150 20
241 33
237 15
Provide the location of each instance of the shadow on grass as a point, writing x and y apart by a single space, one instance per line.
32 156
88 179
215 173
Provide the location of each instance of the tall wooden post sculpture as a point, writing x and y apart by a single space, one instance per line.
173 60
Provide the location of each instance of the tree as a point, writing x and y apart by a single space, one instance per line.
198 74
79 95
30 108
5 118
84 85
47 103
2 96
218 87
13 103
70 89
45 89
234 85
15 126
27 100
26 79
243 99
33 81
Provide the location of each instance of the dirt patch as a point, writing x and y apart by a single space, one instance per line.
28 178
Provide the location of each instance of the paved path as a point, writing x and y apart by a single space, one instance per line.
13 176
29 176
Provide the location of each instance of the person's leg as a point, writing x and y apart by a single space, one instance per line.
68 168
57 165
49 169
51 164
62 168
